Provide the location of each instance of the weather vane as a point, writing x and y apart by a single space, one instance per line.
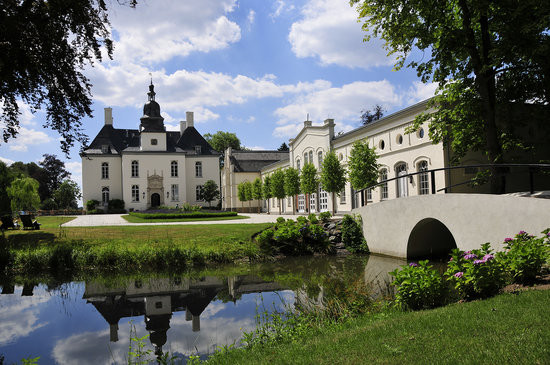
151 75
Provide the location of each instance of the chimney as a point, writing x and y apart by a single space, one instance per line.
189 117
307 123
182 126
330 124
108 116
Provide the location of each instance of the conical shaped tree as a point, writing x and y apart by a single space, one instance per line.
308 181
257 191
266 192
333 177
363 166
278 186
292 184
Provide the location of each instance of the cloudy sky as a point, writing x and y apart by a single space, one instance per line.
252 67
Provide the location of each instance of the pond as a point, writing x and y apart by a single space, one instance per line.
91 321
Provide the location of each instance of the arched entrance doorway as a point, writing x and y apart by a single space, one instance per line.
155 200
430 239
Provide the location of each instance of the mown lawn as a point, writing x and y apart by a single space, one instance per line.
506 329
134 219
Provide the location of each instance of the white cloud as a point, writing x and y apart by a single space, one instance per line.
280 7
28 137
420 91
250 18
329 31
343 104
7 161
158 31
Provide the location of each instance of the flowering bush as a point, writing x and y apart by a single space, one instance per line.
312 218
476 273
524 256
325 216
419 286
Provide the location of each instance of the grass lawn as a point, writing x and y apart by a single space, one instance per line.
134 219
166 247
507 329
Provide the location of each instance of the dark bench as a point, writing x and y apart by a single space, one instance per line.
8 223
28 223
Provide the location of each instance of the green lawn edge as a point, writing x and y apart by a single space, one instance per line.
134 219
509 328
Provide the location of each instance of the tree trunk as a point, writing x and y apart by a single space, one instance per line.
333 203
293 204
279 201
268 206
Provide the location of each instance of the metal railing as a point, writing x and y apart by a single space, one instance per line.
532 169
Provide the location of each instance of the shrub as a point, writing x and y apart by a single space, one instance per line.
419 286
91 204
48 204
182 215
524 256
352 234
476 273
325 216
280 220
312 218
116 205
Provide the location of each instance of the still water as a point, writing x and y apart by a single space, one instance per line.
90 321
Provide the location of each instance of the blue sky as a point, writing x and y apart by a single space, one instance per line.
252 67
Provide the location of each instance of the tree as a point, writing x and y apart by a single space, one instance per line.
292 184
257 191
333 177
278 186
67 195
45 46
221 140
241 192
309 182
362 166
266 191
482 55
210 191
248 192
53 175
6 177
23 193
368 116
283 147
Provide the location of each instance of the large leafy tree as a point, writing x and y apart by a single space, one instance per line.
44 47
362 166
483 55
333 177
292 184
221 140
67 195
241 192
210 191
266 191
248 192
368 116
278 186
6 177
23 193
257 191
53 174
309 182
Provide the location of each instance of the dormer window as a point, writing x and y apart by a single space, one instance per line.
154 142
198 150
105 148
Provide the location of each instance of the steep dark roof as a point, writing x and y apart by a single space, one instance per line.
254 161
191 138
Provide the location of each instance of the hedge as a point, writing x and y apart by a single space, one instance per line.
182 215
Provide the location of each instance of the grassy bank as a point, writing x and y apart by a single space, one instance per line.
509 328
125 248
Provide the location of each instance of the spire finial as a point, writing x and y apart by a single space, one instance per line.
307 117
151 76
151 92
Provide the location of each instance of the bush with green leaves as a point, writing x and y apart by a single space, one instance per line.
313 218
419 286
91 204
476 273
352 234
325 216
524 256
116 206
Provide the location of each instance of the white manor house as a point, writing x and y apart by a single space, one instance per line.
148 167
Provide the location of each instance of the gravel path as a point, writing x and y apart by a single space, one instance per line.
117 220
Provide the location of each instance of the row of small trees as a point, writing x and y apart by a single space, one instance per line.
363 171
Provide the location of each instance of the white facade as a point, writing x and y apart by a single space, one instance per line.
148 167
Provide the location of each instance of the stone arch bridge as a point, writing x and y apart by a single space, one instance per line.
431 225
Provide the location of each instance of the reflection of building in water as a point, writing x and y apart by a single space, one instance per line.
157 299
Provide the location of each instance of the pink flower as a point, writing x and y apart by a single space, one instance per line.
507 239
522 232
470 256
477 262
413 264
459 274
488 257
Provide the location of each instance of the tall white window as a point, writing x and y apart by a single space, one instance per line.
135 193
423 179
310 156
105 170
198 193
298 164
312 201
369 194
384 186
198 169
402 183
174 168
301 203
135 169
323 201
174 191
105 195
305 158
343 196
320 158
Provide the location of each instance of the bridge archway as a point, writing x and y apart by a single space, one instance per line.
430 239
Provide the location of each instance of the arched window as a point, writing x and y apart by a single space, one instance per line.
198 169
174 168
305 158
310 156
135 169
298 164
135 193
384 186
423 178
402 184
105 170
198 193
320 158
105 195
